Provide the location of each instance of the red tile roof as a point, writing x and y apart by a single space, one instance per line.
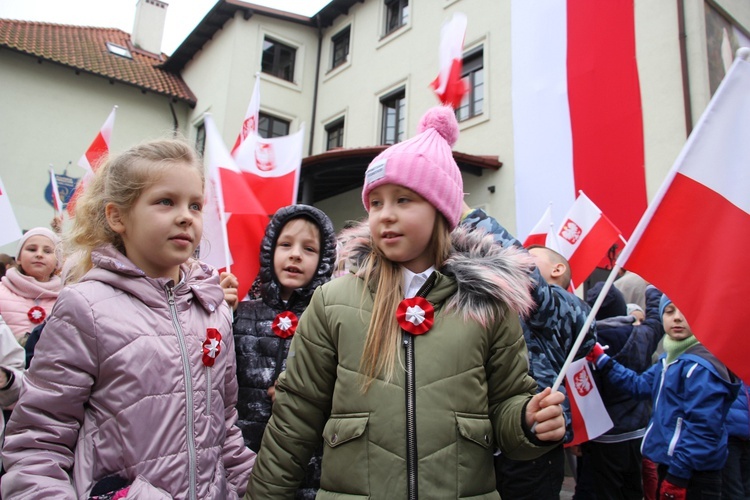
85 49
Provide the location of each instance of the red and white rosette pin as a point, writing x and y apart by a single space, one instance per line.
211 346
415 315
284 324
36 315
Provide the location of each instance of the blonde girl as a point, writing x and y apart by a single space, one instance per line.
413 367
133 384
29 290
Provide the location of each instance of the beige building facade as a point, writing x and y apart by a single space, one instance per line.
345 94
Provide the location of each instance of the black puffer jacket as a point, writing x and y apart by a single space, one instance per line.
261 355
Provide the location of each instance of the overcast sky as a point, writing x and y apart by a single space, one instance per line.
182 15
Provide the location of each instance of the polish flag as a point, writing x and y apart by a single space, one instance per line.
542 231
588 414
693 239
9 229
584 237
271 167
234 222
100 147
250 123
56 199
449 86
94 155
577 120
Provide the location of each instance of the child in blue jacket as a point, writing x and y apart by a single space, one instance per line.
691 392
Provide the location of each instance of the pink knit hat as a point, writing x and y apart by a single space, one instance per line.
424 164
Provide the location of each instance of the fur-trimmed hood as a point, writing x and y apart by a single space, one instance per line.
488 277
269 284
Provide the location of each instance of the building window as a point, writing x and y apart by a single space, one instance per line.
278 59
335 135
396 14
270 126
200 138
340 47
394 117
473 73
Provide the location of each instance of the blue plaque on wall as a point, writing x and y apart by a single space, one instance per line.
65 184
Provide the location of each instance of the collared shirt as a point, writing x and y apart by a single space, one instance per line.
413 281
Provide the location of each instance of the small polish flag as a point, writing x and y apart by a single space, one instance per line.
589 416
584 237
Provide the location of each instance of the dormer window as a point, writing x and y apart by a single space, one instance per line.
118 50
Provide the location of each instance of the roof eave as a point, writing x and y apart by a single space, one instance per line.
192 101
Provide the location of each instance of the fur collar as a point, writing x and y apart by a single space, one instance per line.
490 278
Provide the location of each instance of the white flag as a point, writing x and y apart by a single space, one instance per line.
9 229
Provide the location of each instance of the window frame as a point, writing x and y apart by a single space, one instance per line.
272 120
276 69
473 63
396 16
344 34
398 98
335 127
200 138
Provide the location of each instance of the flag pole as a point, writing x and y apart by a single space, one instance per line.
586 326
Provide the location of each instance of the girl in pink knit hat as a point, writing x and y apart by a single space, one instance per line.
412 367
28 291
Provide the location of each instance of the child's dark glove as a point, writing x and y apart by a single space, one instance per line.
670 491
597 356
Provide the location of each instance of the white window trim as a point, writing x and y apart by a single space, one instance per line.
378 131
398 32
485 116
299 60
331 72
341 115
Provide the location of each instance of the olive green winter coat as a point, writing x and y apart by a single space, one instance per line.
472 386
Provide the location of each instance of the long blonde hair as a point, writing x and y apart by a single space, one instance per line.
385 277
119 180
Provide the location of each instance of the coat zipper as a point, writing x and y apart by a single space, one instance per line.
192 462
411 401
411 418
208 391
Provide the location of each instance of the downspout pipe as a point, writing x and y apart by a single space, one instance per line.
315 88
684 65
307 182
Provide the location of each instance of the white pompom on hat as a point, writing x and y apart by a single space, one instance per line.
424 164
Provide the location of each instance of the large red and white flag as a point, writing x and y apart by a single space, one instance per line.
577 119
449 86
588 414
10 231
271 167
693 239
584 237
542 231
234 222
94 155
250 123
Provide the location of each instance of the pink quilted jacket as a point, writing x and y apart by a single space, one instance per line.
18 294
118 386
